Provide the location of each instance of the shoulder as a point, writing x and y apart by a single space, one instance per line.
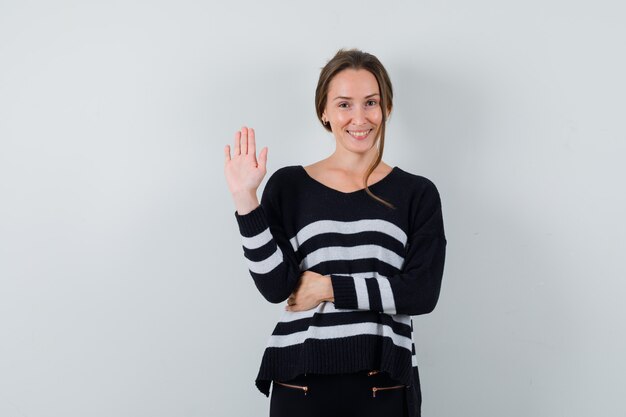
419 185
282 180
286 170
284 175
424 205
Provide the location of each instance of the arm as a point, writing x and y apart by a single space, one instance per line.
415 289
270 258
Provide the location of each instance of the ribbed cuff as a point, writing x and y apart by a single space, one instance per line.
253 222
344 291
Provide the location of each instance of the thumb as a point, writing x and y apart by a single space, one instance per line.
263 158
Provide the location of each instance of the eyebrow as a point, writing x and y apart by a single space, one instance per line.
350 98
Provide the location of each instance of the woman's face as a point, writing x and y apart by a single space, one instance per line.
353 109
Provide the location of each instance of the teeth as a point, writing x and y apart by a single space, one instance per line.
359 134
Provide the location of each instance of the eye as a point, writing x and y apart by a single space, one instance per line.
372 103
343 105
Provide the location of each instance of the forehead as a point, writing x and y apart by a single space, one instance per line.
353 83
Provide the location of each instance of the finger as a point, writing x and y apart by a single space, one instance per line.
238 143
226 153
251 143
244 140
263 159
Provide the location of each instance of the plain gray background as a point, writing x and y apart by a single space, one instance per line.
123 288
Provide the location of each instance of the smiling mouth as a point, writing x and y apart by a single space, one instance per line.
359 134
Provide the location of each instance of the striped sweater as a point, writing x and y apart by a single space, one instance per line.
385 265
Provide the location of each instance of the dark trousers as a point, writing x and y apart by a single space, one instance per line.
360 394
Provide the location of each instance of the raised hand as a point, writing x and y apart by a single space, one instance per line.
243 172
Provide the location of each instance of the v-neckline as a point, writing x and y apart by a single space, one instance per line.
380 181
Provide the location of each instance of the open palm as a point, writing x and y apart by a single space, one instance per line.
243 172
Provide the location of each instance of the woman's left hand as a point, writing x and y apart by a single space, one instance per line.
311 290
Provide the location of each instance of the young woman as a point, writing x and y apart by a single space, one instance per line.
356 247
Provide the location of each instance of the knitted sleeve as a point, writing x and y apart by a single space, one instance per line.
269 256
415 289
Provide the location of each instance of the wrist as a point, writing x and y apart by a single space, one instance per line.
245 201
327 289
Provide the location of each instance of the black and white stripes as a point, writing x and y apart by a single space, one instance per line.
384 265
267 263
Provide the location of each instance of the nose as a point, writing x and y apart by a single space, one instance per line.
358 118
